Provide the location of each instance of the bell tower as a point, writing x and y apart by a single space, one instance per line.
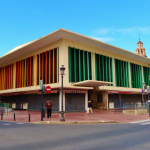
140 50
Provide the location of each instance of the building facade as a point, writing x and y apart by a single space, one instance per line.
107 75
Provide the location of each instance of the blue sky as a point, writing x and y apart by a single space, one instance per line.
116 22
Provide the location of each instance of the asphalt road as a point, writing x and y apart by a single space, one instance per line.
14 136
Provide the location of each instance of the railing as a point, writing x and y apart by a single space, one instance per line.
134 106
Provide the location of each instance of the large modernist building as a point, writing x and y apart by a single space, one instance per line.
108 75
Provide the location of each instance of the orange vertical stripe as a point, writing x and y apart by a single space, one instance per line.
0 79
40 66
25 72
33 71
6 77
30 71
46 69
43 67
53 66
21 73
9 76
18 74
49 68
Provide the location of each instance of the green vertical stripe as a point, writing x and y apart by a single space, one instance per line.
116 73
128 74
70 64
83 66
99 69
88 74
103 66
96 65
75 68
124 73
141 77
106 68
79 66
109 69
138 72
112 77
126 68
91 67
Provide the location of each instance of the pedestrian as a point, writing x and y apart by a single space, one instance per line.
142 102
49 108
89 107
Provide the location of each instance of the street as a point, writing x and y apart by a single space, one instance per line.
26 136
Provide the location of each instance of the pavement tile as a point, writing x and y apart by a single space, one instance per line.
99 116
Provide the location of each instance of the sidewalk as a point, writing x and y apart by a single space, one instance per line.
99 116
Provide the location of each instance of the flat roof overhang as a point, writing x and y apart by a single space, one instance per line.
65 34
92 83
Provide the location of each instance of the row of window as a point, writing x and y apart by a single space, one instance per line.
80 69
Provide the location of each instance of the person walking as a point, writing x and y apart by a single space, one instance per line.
49 108
89 107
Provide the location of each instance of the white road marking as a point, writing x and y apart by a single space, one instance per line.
145 123
140 121
6 124
20 123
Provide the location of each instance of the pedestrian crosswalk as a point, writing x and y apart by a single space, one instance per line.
141 122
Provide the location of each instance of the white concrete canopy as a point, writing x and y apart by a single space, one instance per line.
92 83
62 33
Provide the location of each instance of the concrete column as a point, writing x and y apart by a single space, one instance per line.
86 100
94 97
105 100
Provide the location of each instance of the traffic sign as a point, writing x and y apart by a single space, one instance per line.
48 89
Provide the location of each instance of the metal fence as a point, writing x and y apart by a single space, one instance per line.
5 105
135 108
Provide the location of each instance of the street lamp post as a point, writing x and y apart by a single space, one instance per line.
62 71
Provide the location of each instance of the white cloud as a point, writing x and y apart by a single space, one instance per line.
130 30
134 30
102 31
104 39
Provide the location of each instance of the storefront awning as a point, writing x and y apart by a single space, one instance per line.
91 83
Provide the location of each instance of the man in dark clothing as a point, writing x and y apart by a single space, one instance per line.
49 106
89 107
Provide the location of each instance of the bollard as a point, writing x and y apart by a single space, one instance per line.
1 116
29 117
14 117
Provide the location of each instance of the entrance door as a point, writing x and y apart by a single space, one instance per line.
74 101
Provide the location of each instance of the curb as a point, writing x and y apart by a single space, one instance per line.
99 122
